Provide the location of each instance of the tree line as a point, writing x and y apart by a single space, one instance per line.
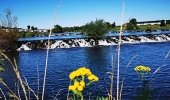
60 29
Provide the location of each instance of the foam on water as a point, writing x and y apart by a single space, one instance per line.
23 47
89 43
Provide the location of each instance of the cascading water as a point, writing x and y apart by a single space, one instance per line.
91 42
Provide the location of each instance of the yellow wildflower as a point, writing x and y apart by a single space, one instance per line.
82 83
80 88
76 84
88 72
91 77
96 78
71 87
72 75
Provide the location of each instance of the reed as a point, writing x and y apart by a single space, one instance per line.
3 94
47 53
118 51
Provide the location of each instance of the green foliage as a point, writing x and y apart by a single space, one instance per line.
30 34
113 25
21 34
167 21
108 25
102 98
96 29
148 29
28 27
145 92
57 29
32 28
132 25
134 22
1 63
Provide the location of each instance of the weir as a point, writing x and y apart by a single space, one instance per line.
89 42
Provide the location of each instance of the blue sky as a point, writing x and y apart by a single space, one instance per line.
39 13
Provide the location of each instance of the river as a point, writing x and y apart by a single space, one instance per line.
62 61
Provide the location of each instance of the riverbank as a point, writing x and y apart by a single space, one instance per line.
89 42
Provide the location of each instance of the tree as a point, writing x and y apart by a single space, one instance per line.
28 27
134 22
57 29
113 25
132 25
167 21
162 23
8 20
36 28
96 29
32 28
9 37
108 25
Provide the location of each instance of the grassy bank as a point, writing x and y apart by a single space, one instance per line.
144 27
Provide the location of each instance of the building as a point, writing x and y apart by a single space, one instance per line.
156 22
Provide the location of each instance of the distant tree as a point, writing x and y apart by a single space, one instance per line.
134 22
132 25
32 28
113 25
77 28
36 28
167 21
108 25
48 31
95 29
28 27
57 29
162 23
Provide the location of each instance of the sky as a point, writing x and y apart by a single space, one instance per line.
40 13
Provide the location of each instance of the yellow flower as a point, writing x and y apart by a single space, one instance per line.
71 87
82 69
72 75
82 83
76 84
80 88
83 73
96 78
88 72
91 77
142 68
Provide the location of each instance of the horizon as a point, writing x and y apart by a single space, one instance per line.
79 12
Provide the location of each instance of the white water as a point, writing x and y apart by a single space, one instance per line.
23 47
91 42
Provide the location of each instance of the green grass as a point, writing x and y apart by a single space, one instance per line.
144 27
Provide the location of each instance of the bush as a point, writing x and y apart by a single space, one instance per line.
8 40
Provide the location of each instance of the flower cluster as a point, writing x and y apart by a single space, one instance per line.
142 71
78 78
142 68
